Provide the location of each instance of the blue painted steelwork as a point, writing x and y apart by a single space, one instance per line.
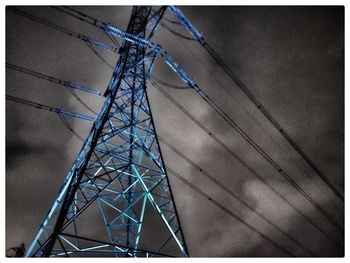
178 70
170 61
82 88
73 114
119 176
185 22
126 36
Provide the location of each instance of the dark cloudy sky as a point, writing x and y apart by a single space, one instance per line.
291 58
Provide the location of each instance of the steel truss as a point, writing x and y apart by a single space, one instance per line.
118 185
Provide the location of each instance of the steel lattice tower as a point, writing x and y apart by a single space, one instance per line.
118 185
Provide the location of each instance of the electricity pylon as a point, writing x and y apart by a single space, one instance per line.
116 199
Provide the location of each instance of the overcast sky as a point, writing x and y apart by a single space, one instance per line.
291 58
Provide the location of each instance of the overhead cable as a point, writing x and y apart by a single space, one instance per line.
236 157
176 33
62 29
69 127
49 108
169 85
229 212
253 99
259 150
231 193
53 79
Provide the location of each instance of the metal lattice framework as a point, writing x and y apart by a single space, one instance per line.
118 185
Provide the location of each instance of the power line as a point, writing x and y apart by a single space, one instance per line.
236 127
53 79
87 18
278 126
77 97
230 94
69 127
62 29
264 154
255 146
176 33
267 114
45 22
49 108
228 212
218 81
69 85
231 193
87 40
113 39
235 156
99 55
168 85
